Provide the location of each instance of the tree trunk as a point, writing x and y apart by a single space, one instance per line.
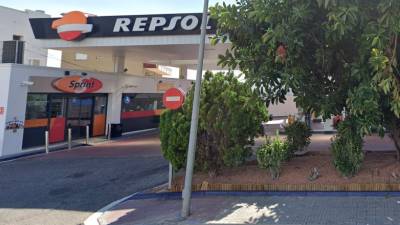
395 135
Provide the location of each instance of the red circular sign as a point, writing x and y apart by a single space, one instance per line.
173 98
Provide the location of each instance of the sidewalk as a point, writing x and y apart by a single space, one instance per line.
260 208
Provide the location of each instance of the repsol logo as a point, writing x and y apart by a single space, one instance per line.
159 23
77 84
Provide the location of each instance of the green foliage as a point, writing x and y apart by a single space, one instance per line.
363 103
298 137
230 119
271 155
174 136
347 148
258 28
340 54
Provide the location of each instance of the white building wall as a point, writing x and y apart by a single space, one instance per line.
15 22
4 92
126 41
16 106
13 95
284 109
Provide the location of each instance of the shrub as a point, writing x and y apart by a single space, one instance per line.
298 137
271 155
174 136
229 120
347 148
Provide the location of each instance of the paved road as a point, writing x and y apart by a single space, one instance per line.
67 187
266 210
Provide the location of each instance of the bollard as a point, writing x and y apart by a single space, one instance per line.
170 176
46 141
109 132
69 138
87 135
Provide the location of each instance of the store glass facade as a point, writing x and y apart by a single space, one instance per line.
141 111
58 112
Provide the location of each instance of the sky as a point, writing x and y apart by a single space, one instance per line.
109 7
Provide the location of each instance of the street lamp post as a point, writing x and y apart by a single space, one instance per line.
187 190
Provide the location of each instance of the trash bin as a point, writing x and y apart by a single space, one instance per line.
116 130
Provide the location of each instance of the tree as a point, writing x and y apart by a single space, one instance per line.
333 55
230 118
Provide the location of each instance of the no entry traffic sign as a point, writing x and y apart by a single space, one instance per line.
173 98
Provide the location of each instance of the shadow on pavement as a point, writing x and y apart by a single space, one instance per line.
262 209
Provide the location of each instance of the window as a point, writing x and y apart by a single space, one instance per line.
141 102
100 105
81 56
36 106
57 108
13 52
80 107
17 37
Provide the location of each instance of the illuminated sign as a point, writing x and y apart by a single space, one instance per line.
74 24
77 84
157 23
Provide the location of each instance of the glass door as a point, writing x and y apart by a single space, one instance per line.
57 119
99 117
79 115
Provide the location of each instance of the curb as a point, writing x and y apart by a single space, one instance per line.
309 187
94 219
200 194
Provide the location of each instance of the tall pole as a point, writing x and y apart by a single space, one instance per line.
187 190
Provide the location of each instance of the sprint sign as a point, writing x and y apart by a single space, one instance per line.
173 98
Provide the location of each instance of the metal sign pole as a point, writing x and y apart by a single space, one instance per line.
187 191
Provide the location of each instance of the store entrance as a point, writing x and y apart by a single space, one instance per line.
57 112
79 115
76 111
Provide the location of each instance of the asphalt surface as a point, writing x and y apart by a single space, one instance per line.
66 187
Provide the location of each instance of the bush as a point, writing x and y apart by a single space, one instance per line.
174 136
347 148
271 155
298 137
229 120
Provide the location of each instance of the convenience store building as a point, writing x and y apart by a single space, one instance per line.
111 73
